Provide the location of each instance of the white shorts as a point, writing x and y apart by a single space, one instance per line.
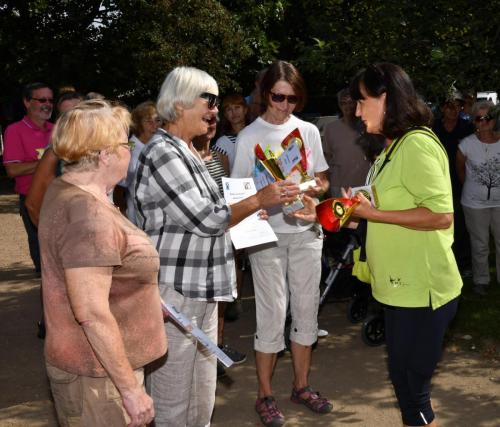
289 269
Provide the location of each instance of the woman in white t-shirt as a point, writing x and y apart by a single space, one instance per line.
289 269
478 167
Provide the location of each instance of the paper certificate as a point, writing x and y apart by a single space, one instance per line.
252 231
196 332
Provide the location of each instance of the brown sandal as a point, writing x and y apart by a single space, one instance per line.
312 400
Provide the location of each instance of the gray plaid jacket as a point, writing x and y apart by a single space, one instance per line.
179 206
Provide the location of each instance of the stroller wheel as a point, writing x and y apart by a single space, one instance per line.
357 310
373 330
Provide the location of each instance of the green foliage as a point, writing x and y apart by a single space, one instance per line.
125 47
120 48
436 42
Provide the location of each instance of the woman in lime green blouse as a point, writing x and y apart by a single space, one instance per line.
409 234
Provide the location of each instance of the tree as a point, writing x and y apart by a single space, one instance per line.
120 48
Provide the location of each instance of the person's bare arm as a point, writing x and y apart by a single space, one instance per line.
419 218
460 166
18 169
45 173
88 292
225 162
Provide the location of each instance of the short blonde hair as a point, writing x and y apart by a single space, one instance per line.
181 87
91 126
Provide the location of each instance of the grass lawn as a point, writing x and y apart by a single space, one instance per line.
479 317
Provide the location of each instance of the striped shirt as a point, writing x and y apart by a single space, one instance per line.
216 170
179 206
226 145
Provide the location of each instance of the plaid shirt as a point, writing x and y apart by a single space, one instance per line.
179 206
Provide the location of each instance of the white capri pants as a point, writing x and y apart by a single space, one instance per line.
292 268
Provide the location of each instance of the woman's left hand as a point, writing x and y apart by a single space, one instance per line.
317 190
364 209
308 212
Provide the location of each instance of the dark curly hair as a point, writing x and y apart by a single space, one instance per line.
404 107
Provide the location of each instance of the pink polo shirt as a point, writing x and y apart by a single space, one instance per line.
25 142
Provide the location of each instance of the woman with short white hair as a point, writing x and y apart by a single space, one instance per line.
179 206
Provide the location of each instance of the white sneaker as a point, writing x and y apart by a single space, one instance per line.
322 333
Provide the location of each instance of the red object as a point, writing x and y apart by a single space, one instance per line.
293 136
259 153
333 213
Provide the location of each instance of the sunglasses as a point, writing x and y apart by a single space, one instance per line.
485 118
212 100
279 97
44 100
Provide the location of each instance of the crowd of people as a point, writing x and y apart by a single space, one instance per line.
124 211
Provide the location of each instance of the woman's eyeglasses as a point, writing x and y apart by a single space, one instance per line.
129 145
279 97
156 121
486 118
212 100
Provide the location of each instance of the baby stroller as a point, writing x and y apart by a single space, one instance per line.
362 307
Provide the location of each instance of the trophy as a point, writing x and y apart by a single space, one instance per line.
291 164
334 213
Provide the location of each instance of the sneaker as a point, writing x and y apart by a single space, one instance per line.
480 290
221 371
233 354
268 412
312 400
322 333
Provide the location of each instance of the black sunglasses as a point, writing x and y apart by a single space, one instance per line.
279 97
44 100
485 118
212 100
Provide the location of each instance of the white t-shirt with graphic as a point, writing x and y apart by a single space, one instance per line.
482 173
264 133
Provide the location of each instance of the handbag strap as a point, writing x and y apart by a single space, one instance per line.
397 143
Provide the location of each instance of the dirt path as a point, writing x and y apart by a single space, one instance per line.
466 388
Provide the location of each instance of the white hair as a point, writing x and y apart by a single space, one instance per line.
482 105
181 88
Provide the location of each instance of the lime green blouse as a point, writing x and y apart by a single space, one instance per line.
411 268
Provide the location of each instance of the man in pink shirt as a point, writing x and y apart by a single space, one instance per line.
24 144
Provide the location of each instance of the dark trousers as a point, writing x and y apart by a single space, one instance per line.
414 339
32 232
461 243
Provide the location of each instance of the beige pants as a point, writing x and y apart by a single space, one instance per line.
182 384
87 402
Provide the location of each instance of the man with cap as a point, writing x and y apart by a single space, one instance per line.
451 128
